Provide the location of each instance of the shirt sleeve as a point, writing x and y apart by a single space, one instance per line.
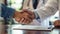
6 11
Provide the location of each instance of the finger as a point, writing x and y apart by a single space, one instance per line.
31 16
21 21
28 22
17 19
27 11
24 22
27 18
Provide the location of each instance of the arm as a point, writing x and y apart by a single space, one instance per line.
40 4
28 4
25 4
31 4
7 12
49 9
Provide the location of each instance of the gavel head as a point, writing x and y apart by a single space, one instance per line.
57 23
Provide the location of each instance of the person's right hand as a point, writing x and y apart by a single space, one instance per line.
57 23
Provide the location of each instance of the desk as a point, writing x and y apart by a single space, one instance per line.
54 31
37 30
30 31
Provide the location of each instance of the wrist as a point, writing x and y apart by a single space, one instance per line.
36 15
15 13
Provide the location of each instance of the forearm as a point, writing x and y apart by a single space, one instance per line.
31 4
25 4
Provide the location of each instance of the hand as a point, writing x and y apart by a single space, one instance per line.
17 16
28 16
24 17
57 23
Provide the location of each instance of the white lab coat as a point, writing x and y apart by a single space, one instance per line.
49 9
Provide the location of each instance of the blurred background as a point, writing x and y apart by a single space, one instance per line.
24 4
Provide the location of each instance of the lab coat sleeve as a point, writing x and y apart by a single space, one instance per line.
49 9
